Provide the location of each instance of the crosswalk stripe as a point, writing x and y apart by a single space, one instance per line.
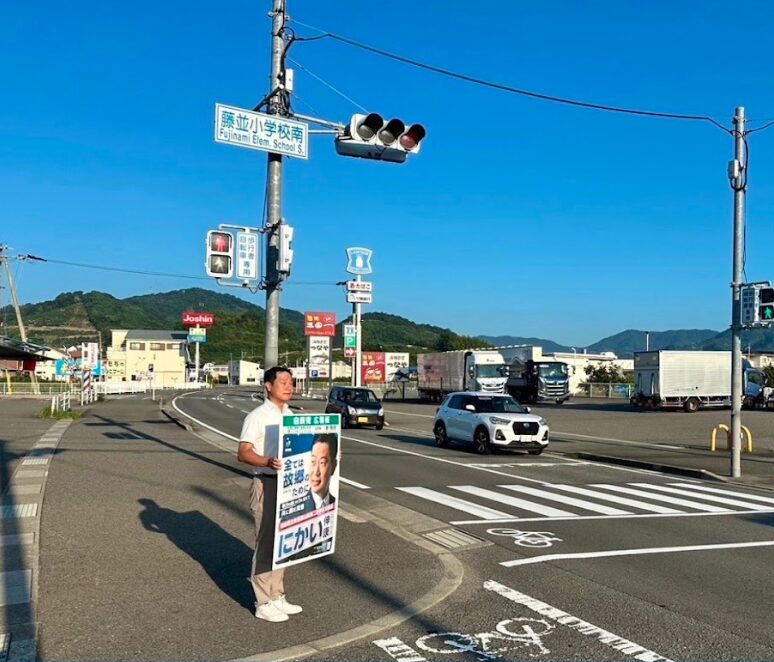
663 498
706 497
731 493
650 507
570 501
454 502
513 501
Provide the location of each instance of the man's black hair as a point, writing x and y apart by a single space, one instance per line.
328 438
271 374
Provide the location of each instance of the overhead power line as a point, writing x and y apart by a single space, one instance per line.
506 88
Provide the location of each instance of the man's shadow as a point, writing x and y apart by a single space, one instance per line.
223 557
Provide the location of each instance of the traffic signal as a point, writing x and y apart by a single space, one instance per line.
285 252
220 257
370 137
766 305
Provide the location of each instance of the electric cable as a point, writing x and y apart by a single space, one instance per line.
508 88
328 85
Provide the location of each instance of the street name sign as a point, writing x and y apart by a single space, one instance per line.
265 133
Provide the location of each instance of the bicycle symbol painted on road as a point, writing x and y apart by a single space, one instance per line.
527 538
508 635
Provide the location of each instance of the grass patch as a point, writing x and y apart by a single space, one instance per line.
58 415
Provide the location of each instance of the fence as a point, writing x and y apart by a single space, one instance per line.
28 388
61 402
604 390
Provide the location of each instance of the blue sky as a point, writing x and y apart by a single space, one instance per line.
518 217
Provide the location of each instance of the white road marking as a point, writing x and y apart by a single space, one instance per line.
715 490
584 627
579 518
615 499
453 502
642 494
353 483
709 497
570 501
513 501
636 552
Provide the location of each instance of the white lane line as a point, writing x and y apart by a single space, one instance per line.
585 628
650 507
353 483
512 501
636 552
579 518
453 502
707 497
18 510
570 501
731 493
644 494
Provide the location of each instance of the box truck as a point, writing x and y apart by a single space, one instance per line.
692 380
533 377
439 373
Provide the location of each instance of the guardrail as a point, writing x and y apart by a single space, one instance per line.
28 388
613 391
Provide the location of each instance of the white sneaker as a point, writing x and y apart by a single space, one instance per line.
286 607
269 611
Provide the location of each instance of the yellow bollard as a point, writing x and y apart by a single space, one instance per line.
722 426
748 446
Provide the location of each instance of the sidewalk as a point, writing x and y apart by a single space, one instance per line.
146 541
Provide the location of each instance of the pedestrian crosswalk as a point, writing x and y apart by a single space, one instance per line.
519 502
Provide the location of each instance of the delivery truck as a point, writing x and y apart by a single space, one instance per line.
692 380
439 373
533 377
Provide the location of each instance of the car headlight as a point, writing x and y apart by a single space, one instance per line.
351 410
496 420
542 421
381 411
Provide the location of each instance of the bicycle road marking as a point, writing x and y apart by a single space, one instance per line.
585 628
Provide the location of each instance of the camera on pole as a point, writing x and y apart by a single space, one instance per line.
371 137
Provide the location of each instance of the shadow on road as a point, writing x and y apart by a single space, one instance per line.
222 556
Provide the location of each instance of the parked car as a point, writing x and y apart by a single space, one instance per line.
489 421
357 406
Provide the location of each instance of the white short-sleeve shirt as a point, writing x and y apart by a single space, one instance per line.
261 429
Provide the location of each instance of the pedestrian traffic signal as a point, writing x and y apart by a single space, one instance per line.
220 262
766 305
370 137
285 252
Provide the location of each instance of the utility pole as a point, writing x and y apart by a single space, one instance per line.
737 174
274 192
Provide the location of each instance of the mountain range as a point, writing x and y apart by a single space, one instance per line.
239 330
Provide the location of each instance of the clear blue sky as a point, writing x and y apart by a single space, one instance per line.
519 217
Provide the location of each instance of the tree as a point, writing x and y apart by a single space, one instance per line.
604 374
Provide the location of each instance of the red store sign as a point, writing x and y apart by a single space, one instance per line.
198 319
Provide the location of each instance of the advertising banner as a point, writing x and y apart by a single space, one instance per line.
372 368
307 488
198 319
396 366
320 324
319 356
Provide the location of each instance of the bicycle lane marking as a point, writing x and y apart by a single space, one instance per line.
585 628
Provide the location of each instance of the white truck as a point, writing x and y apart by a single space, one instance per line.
534 377
691 380
440 373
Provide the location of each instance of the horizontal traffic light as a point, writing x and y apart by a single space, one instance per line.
371 137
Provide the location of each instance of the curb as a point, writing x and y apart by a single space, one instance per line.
702 474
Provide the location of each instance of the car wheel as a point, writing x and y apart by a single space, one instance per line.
537 451
481 441
379 426
439 431
748 402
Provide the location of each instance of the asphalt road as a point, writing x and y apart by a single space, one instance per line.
562 558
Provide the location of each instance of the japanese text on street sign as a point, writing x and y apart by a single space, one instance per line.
267 133
359 286
247 255
359 297
305 525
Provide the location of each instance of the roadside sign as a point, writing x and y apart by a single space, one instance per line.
359 297
319 324
266 133
350 330
246 256
359 261
349 352
197 336
198 319
350 341
359 286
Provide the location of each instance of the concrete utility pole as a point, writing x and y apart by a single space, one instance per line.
274 193
738 176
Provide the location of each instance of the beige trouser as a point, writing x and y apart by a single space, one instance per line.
268 584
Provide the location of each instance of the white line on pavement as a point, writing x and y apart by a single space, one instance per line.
635 552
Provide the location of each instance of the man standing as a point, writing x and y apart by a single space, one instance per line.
259 447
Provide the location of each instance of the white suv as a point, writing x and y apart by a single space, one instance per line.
489 421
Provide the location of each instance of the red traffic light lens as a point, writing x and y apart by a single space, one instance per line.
369 126
411 138
220 242
389 134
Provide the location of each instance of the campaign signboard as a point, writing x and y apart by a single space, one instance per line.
372 368
307 488
320 324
